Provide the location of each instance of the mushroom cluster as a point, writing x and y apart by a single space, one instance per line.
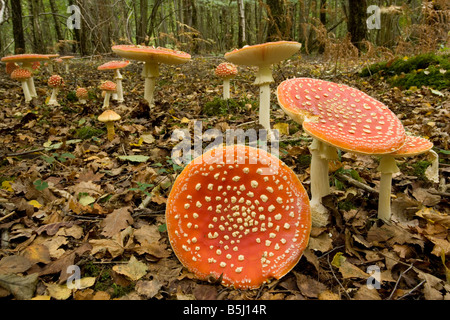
108 87
22 75
239 214
116 66
340 117
152 57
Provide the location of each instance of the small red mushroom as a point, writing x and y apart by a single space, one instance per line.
226 71
23 75
108 87
238 214
82 95
55 82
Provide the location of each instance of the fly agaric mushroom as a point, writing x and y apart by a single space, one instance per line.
264 56
65 60
337 116
82 95
27 60
239 214
152 58
108 87
109 117
116 66
55 82
49 64
413 146
10 67
23 75
226 71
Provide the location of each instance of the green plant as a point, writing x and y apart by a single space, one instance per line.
229 106
142 187
88 132
63 157
40 185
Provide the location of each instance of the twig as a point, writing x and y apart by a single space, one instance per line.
356 183
398 281
15 154
334 275
8 215
412 290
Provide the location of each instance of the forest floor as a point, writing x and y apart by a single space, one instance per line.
66 197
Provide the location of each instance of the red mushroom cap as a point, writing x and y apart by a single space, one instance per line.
226 70
341 116
112 65
10 67
151 54
21 74
55 81
263 54
413 146
225 218
25 58
82 93
108 86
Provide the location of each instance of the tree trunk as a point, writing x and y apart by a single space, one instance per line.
276 11
59 35
19 39
357 17
241 33
38 41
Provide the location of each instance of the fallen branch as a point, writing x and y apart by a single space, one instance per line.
356 183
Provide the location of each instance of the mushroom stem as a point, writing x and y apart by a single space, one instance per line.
119 95
432 172
264 106
150 72
264 75
30 80
320 185
53 101
110 130
106 100
26 92
226 89
387 167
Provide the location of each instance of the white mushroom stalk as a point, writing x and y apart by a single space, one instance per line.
55 82
23 75
150 73
388 166
119 87
321 154
30 81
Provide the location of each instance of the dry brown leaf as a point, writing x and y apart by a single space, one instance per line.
134 269
36 253
308 286
14 264
148 288
116 221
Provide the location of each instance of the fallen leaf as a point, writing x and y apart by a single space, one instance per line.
308 286
14 264
59 291
134 269
116 221
347 269
37 253
22 287
148 288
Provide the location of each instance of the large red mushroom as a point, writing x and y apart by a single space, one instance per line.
239 214
342 117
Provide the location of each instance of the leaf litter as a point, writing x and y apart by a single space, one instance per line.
69 197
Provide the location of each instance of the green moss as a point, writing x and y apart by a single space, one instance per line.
88 132
229 106
426 69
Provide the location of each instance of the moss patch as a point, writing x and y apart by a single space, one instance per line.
426 69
